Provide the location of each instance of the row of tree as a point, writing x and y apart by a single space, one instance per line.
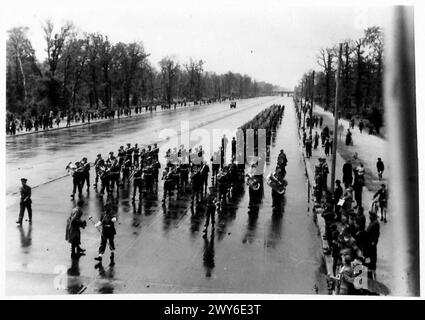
89 72
361 77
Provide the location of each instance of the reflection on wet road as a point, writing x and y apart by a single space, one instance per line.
267 246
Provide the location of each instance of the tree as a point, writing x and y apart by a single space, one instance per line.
325 60
21 62
169 72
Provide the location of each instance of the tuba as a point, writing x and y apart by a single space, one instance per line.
70 168
278 185
253 182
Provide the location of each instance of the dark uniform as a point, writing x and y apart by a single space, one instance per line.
25 202
211 208
99 162
73 234
77 179
136 155
86 174
380 168
233 149
204 173
137 182
108 232
115 175
126 170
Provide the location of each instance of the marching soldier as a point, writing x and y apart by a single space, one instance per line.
168 183
137 182
215 164
155 151
110 159
129 154
282 162
126 169
77 179
121 154
105 178
98 163
197 185
204 173
211 209
184 176
233 148
85 173
115 175
136 155
107 226
25 202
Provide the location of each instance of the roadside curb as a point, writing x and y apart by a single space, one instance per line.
318 219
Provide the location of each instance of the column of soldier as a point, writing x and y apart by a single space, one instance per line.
268 119
115 171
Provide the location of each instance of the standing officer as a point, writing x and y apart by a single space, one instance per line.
25 202
107 224
73 233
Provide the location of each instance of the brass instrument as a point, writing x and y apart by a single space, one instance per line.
253 182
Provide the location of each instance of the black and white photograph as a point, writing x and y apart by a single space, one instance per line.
220 147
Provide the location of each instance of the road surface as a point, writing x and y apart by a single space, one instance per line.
264 248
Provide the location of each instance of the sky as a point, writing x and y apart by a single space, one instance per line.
267 40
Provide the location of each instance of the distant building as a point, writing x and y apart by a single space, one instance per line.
283 91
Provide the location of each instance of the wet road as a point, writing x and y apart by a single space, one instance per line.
264 248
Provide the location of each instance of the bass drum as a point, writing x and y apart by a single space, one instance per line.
280 189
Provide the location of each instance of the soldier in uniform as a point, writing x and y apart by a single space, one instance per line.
184 175
155 151
115 175
211 209
129 154
107 225
137 182
111 158
197 185
121 154
126 169
85 173
136 155
168 183
98 163
77 179
282 161
73 234
25 202
205 170
233 148
215 164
